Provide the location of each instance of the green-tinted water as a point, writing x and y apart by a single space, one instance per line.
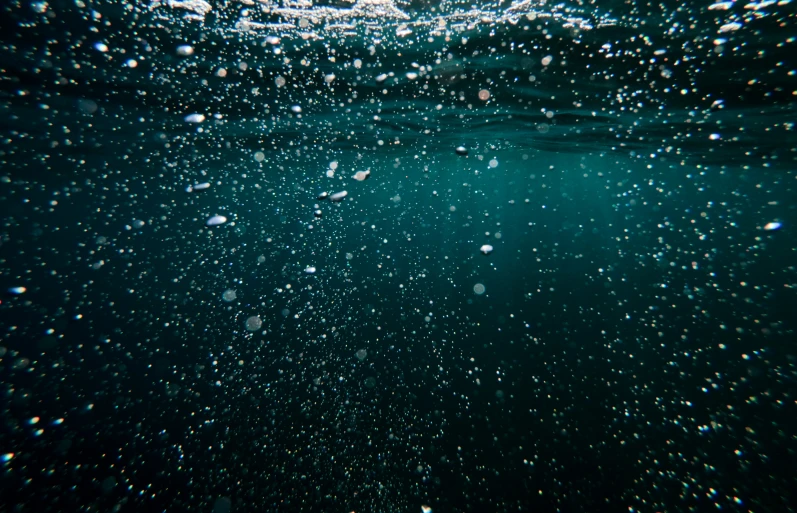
561 278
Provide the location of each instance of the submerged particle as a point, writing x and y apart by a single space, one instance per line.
381 78
461 150
771 227
185 50
297 109
486 249
310 270
318 213
730 27
479 289
338 196
195 118
254 323
426 509
216 220
198 187
17 290
362 175
324 195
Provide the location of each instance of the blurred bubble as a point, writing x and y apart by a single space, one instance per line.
254 323
87 106
222 505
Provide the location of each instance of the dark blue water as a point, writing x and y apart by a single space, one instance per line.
562 281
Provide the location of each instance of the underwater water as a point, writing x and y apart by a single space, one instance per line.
398 256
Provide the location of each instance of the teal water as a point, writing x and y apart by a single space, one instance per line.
561 278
